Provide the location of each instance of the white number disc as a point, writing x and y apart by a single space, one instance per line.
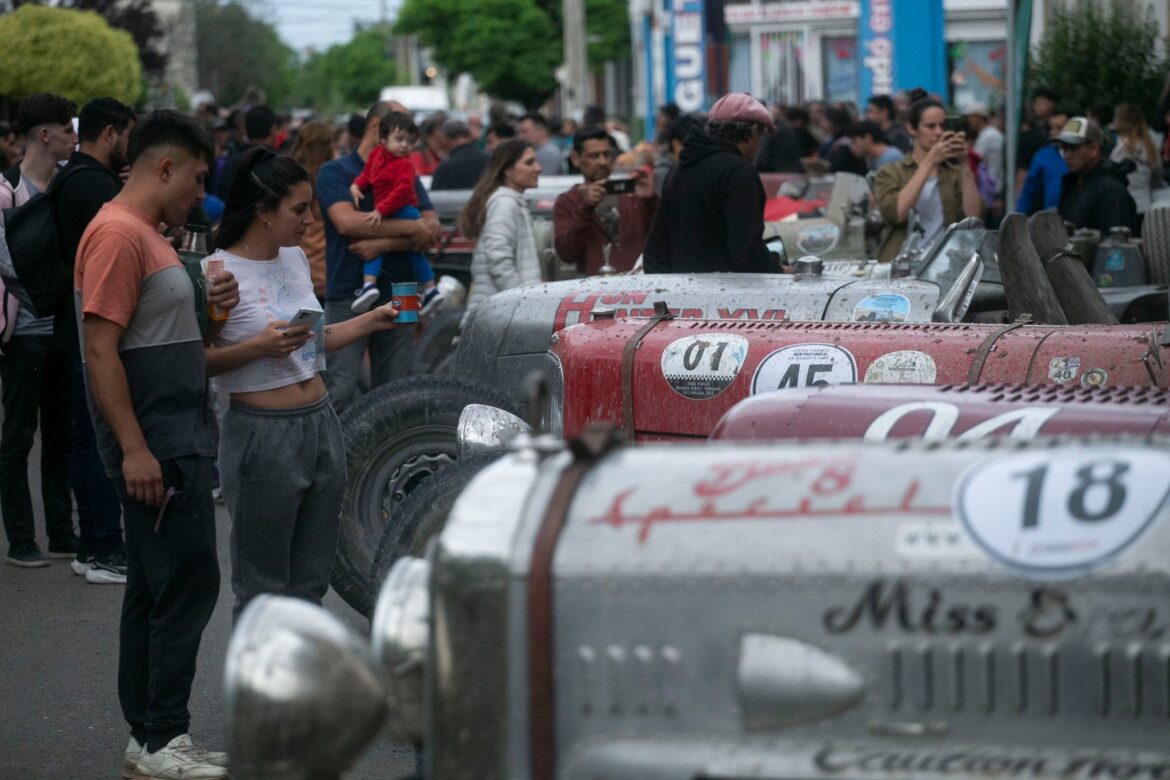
1061 512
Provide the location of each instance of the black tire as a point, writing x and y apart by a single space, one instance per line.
435 340
423 514
1156 243
397 436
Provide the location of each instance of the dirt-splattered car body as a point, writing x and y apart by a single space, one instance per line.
667 378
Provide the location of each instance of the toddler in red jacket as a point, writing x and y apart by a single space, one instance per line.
390 175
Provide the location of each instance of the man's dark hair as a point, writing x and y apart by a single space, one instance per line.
502 131
838 119
432 124
1102 113
682 125
732 132
356 125
1044 92
100 113
169 128
5 128
536 119
797 115
258 122
455 129
883 103
591 133
43 108
670 111
861 129
396 120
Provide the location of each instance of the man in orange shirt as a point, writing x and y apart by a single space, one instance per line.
148 394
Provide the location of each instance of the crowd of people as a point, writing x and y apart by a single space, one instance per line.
311 215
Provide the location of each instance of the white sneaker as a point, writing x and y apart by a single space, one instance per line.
80 565
181 759
96 575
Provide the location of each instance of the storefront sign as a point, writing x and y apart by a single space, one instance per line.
919 62
688 74
814 11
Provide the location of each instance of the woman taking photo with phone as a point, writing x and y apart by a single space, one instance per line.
934 179
496 218
281 454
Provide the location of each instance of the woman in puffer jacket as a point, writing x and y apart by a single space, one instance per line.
496 217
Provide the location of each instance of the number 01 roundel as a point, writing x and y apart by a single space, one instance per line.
1058 513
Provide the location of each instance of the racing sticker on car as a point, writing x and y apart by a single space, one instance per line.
702 367
889 307
1060 513
1063 370
805 365
905 367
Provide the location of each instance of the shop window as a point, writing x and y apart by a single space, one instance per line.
976 72
740 65
782 67
839 68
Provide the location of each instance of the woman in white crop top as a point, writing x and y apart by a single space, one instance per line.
281 453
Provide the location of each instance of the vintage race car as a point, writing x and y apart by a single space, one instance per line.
404 433
964 412
973 610
667 378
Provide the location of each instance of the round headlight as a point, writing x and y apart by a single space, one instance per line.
304 695
400 633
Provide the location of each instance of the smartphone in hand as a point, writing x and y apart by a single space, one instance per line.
306 318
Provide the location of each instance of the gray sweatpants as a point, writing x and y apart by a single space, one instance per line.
282 472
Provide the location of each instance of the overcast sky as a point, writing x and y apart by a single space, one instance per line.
319 23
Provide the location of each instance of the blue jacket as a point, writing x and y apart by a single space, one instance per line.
1041 190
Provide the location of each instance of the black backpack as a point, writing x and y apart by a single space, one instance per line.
40 276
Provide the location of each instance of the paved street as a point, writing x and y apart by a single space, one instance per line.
59 715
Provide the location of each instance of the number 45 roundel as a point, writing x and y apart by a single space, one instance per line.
1061 512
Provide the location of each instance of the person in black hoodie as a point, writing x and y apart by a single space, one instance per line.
103 129
711 215
1094 193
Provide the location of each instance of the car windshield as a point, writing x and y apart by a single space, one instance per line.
946 262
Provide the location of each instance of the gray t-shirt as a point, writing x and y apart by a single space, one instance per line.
549 157
930 212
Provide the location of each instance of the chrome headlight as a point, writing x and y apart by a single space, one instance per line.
304 695
487 429
818 239
400 634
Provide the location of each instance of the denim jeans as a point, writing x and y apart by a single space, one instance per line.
391 352
99 513
36 388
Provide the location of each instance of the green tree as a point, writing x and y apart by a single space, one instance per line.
73 53
136 17
349 74
1095 53
511 47
238 51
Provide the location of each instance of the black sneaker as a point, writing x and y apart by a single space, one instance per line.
109 569
26 555
65 547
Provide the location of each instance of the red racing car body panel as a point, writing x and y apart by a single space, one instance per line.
966 412
676 379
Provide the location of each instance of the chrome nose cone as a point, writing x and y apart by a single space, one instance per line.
400 638
783 681
304 695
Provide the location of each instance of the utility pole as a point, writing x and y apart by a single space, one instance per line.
576 83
